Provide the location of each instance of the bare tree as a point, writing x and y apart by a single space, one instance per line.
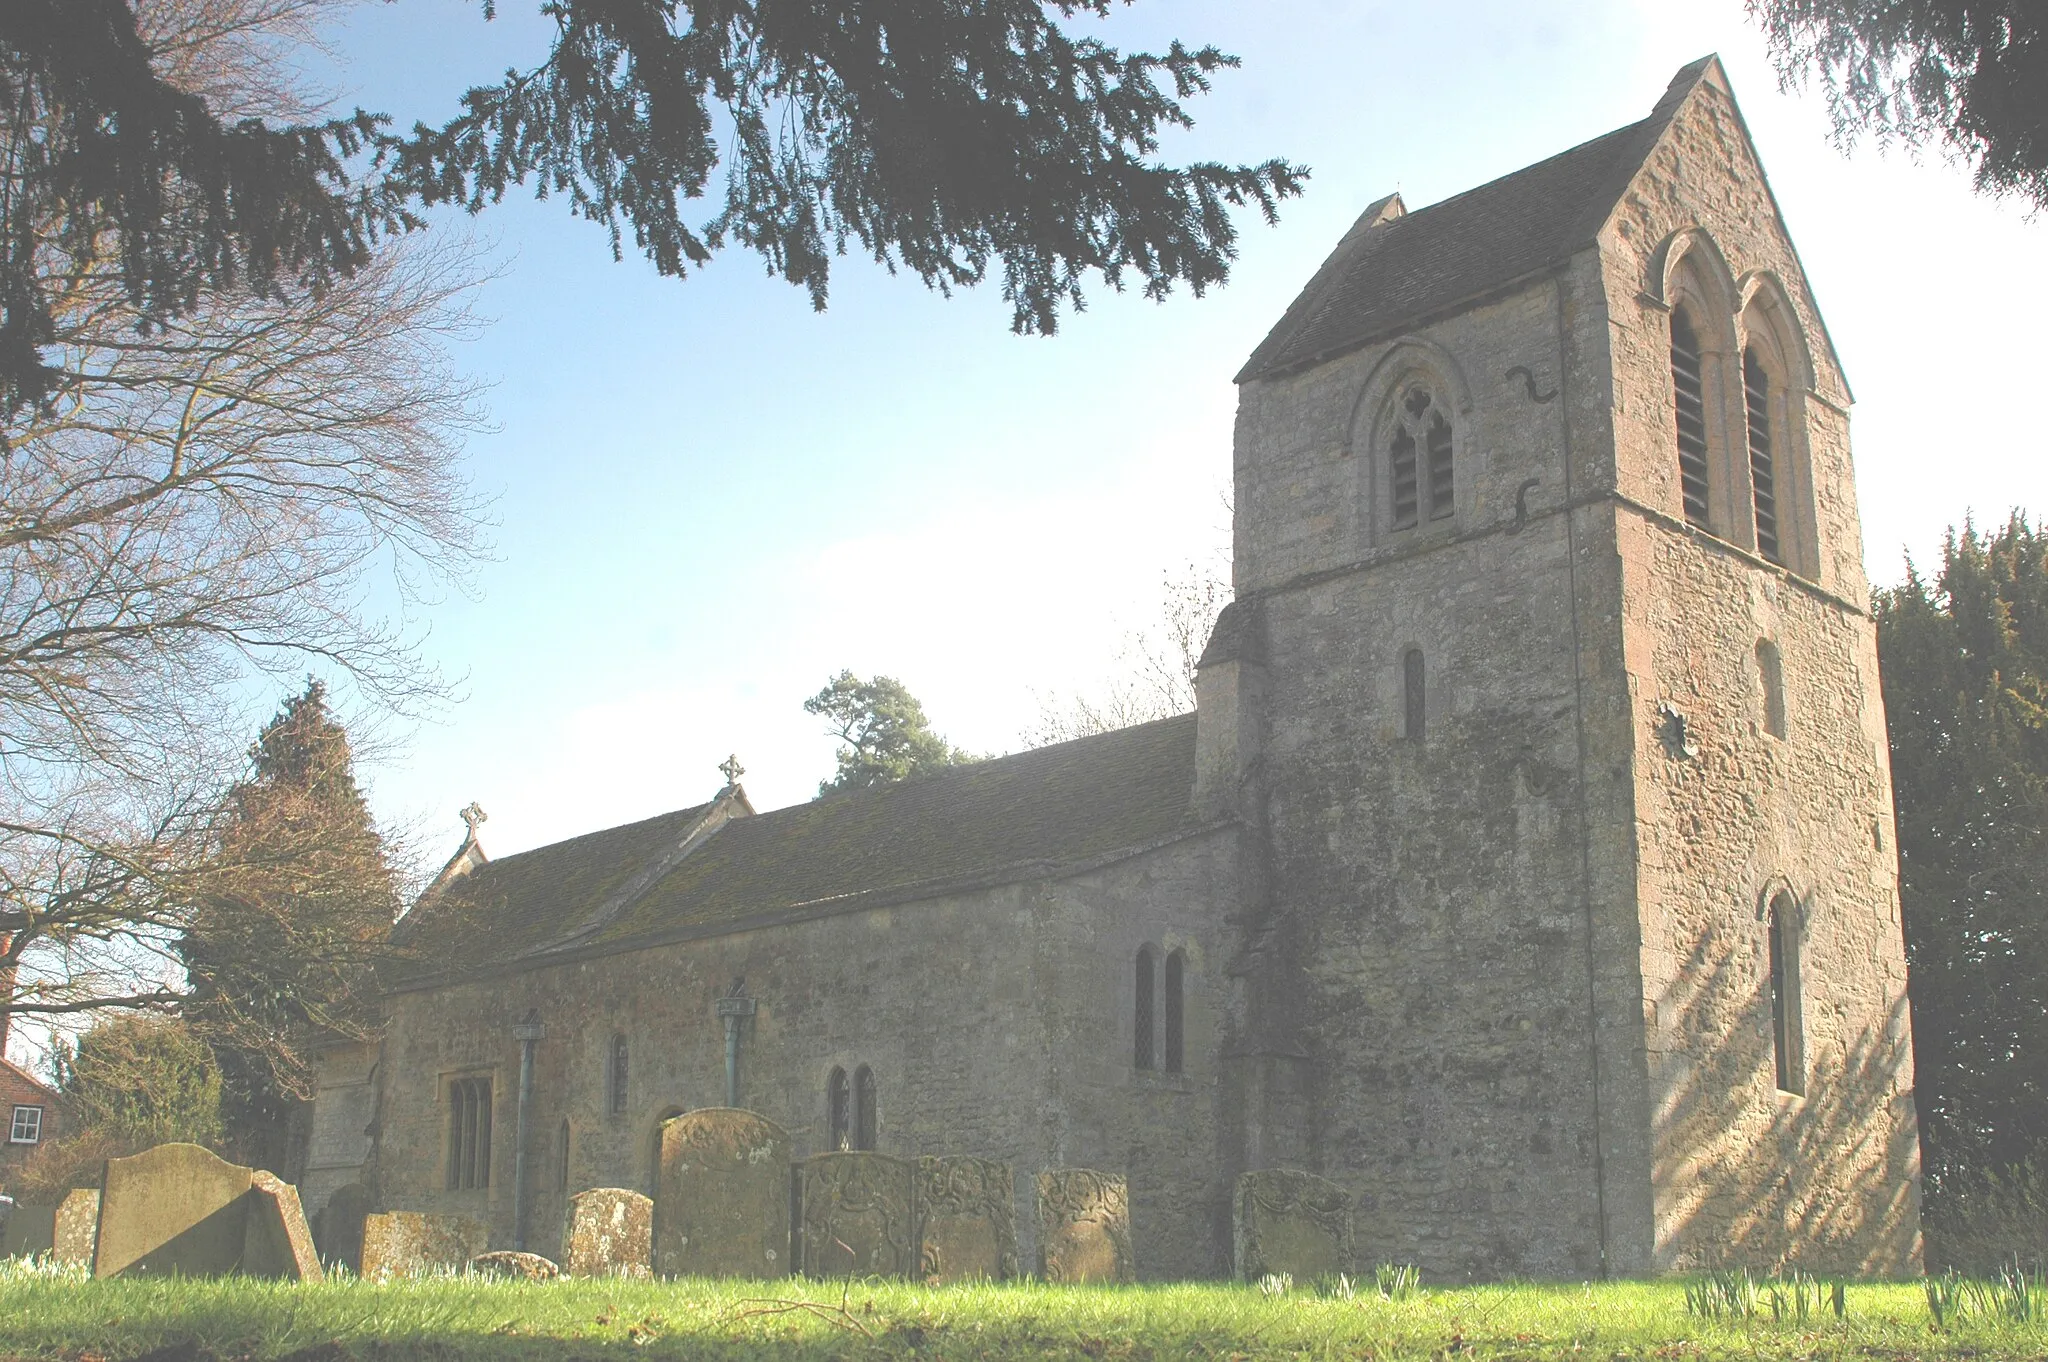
203 511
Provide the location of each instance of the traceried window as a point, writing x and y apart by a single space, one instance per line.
1420 471
1756 403
864 1120
469 1134
27 1127
838 1111
1176 1011
615 1100
1788 1036
1690 389
1145 1003
1414 696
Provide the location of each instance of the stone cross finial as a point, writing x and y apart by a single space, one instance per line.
731 769
474 816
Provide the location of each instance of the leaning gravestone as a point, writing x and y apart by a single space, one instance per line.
966 1210
721 1201
610 1234
1286 1221
277 1242
857 1215
407 1243
181 1209
1084 1227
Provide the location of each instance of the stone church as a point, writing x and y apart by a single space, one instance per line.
1527 867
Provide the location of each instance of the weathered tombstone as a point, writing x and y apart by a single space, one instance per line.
276 1242
1084 1227
857 1215
721 1201
525 1267
76 1227
967 1212
1286 1221
407 1243
175 1208
338 1228
610 1234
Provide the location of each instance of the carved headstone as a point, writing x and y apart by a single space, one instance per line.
408 1244
338 1228
175 1208
857 1215
277 1242
525 1267
610 1234
968 1216
721 1201
1084 1227
76 1227
1290 1222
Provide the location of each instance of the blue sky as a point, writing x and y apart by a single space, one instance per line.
708 498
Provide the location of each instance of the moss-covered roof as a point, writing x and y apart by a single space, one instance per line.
1013 818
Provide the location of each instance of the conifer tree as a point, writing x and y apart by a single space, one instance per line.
886 734
283 946
1965 663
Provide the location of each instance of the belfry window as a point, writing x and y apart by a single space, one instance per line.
615 1100
1690 390
1176 1011
1421 474
1788 1037
838 1111
1143 1004
1756 402
864 1108
469 1134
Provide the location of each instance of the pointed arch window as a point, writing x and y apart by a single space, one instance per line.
1420 466
1144 1004
864 1121
1756 404
1176 1011
1689 388
615 1096
469 1134
838 1111
1788 1037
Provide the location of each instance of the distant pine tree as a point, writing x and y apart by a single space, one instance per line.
282 946
1965 664
886 734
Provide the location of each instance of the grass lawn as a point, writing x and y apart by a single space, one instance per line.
46 1314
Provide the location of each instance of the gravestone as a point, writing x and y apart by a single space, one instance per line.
76 1227
338 1228
408 1244
857 1215
1084 1227
30 1228
277 1242
610 1234
967 1212
525 1267
721 1201
1286 1221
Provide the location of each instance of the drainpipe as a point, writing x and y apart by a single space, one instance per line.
528 1032
734 1008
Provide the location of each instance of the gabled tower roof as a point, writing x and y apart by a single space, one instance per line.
1394 268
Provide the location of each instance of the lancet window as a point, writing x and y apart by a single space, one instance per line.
615 1098
838 1111
1788 1037
864 1120
1145 1003
1689 385
1421 473
469 1134
1756 402
1176 1010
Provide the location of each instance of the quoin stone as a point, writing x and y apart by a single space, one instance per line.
1292 1223
721 1205
1084 1227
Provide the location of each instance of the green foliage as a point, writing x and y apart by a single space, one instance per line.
886 734
141 1081
2013 1296
1965 668
956 141
1722 1296
1971 75
1397 1281
282 947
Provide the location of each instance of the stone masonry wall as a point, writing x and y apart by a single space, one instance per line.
1745 1173
998 1023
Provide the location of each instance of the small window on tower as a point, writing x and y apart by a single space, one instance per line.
1414 698
1421 474
1788 1030
838 1111
1689 388
1771 672
1763 479
1143 1008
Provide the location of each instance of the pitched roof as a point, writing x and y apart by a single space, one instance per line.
1020 817
25 1076
1393 268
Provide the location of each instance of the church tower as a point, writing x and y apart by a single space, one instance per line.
1570 936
